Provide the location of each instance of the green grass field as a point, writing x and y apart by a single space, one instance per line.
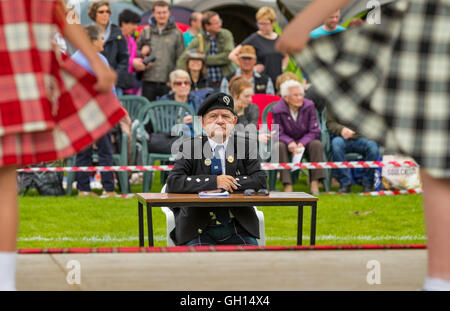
58 222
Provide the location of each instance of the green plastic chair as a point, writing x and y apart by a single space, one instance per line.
132 104
163 115
272 174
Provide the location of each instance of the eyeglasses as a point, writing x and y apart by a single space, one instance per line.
180 83
104 11
260 192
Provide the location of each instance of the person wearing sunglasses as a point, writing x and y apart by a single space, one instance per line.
180 83
217 160
115 47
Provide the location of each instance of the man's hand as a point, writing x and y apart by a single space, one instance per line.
226 182
347 133
145 50
292 146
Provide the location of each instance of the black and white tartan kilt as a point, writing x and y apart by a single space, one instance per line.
391 81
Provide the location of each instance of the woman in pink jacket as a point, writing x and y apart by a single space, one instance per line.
128 21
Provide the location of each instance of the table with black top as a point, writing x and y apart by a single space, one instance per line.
299 199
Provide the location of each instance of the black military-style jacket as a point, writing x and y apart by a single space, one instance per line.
192 175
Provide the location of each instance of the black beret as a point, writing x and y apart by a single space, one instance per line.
216 101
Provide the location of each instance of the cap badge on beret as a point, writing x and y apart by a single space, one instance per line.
227 100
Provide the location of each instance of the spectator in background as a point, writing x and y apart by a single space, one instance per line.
195 23
330 26
269 61
115 46
105 152
246 111
180 83
346 140
163 40
196 68
262 84
242 91
298 128
128 21
283 78
216 42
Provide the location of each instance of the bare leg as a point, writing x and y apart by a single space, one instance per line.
314 188
8 227
436 199
8 209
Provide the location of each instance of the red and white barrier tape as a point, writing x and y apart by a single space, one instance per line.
393 192
384 192
265 166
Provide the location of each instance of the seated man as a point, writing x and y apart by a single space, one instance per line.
262 84
218 160
345 141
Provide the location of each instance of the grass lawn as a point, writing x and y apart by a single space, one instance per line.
58 222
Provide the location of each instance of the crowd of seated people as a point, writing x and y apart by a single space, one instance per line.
163 63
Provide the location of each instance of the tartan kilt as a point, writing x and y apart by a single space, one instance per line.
82 116
391 81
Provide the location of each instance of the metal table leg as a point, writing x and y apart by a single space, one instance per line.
149 224
313 223
141 224
300 225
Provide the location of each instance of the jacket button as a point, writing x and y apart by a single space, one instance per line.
199 231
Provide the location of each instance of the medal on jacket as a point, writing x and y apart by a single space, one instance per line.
230 159
207 162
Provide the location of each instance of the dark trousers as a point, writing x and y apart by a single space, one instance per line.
105 158
368 148
314 153
153 90
225 234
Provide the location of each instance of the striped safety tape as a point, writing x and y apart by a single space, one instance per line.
265 166
383 192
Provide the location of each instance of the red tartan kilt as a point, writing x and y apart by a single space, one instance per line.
83 116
